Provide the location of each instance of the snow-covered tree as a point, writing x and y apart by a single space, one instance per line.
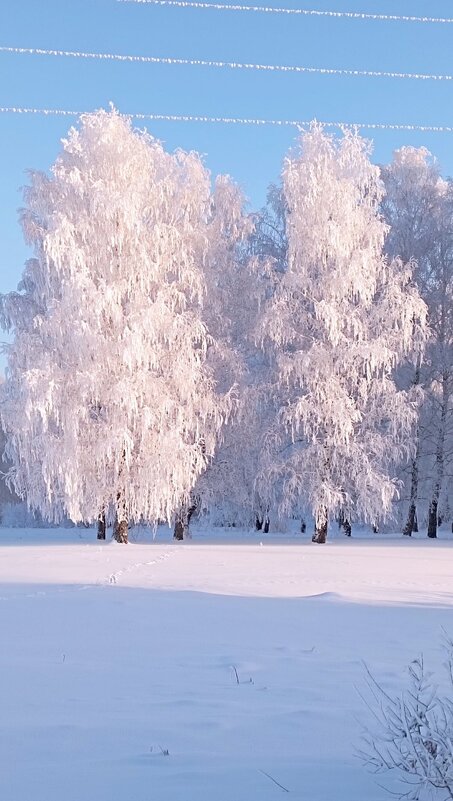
109 404
228 489
227 314
237 286
238 496
418 207
338 325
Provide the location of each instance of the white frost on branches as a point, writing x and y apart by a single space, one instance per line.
235 290
339 323
419 209
109 400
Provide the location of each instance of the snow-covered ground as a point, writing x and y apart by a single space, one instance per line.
119 665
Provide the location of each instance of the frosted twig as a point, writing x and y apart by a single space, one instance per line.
285 789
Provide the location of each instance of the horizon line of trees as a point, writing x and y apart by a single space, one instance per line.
174 355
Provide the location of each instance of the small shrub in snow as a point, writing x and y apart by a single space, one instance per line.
413 735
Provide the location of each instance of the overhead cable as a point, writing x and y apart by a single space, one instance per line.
376 126
195 62
306 12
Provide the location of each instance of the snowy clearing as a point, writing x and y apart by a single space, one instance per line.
113 655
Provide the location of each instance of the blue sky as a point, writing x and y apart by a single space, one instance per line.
252 156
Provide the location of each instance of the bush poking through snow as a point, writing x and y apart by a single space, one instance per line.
413 735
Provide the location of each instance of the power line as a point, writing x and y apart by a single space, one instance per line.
376 126
193 62
360 15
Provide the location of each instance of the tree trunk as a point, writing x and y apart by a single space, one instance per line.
440 448
121 524
411 522
303 526
120 530
101 526
432 519
321 521
192 508
183 519
347 528
262 522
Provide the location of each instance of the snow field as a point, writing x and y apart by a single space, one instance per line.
112 655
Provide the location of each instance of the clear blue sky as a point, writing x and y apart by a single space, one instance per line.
252 156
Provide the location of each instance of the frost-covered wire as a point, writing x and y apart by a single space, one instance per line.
377 126
306 12
235 65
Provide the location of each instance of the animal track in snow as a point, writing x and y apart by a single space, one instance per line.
113 577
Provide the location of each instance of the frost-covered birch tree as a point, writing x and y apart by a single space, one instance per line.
228 490
236 288
418 207
229 309
338 325
109 403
